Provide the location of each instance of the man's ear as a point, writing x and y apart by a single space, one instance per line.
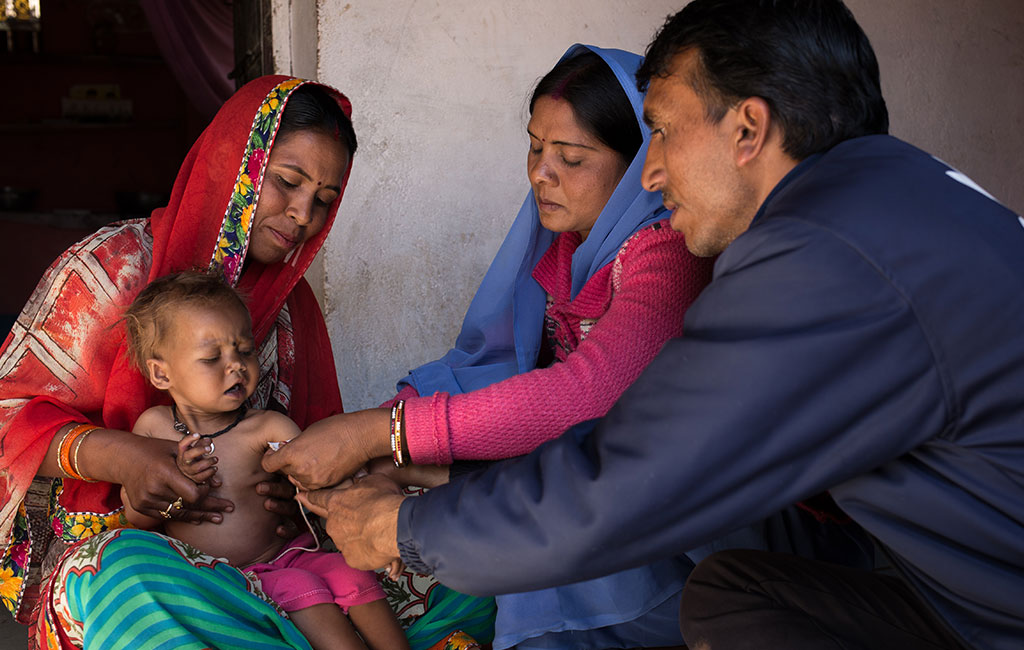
157 371
753 123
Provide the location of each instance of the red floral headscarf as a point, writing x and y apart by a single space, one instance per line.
65 359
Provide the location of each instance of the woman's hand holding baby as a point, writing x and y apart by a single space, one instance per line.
148 470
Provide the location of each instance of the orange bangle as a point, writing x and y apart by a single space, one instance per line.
67 461
63 451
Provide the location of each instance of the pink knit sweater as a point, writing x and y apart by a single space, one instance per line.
600 341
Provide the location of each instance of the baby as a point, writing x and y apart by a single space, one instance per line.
190 334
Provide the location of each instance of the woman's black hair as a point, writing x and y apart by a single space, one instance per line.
601 105
311 107
808 59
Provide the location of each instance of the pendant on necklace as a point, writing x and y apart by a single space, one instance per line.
182 428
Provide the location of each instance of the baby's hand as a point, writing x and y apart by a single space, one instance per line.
395 568
196 460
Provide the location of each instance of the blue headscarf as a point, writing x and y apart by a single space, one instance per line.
502 332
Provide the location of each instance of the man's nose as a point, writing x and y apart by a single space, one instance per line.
652 178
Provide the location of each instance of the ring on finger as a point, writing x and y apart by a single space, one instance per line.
177 504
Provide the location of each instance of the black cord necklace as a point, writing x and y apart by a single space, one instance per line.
181 428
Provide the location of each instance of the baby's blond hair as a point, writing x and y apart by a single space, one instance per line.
148 319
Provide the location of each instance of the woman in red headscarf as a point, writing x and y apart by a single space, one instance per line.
254 199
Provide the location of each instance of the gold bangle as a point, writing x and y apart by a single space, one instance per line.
74 456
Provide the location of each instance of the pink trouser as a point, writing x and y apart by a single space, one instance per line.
301 579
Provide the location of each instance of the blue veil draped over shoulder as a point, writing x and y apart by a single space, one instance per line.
501 336
501 333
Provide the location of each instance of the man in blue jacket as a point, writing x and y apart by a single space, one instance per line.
863 334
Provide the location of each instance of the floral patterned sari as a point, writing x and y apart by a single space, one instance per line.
65 361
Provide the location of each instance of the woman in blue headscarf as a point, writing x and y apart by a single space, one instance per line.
588 285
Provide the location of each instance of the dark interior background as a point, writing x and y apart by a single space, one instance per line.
93 128
65 171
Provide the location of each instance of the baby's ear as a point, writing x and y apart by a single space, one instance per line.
157 372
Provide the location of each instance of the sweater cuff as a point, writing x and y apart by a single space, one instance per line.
407 393
426 430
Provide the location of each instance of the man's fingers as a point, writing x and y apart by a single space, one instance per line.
315 501
381 484
275 461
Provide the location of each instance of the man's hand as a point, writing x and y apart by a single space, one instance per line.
362 519
332 449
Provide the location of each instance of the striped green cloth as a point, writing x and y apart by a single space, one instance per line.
448 610
147 598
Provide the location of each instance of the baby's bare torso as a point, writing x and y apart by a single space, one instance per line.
247 534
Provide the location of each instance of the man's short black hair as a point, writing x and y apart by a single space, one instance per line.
808 59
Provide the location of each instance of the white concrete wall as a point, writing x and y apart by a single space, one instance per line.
439 90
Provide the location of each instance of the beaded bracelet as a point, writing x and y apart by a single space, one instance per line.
67 461
397 418
394 412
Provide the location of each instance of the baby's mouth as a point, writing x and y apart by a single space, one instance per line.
236 389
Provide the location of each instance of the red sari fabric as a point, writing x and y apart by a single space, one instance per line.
65 359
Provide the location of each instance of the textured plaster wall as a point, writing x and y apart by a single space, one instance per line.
439 90
953 77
